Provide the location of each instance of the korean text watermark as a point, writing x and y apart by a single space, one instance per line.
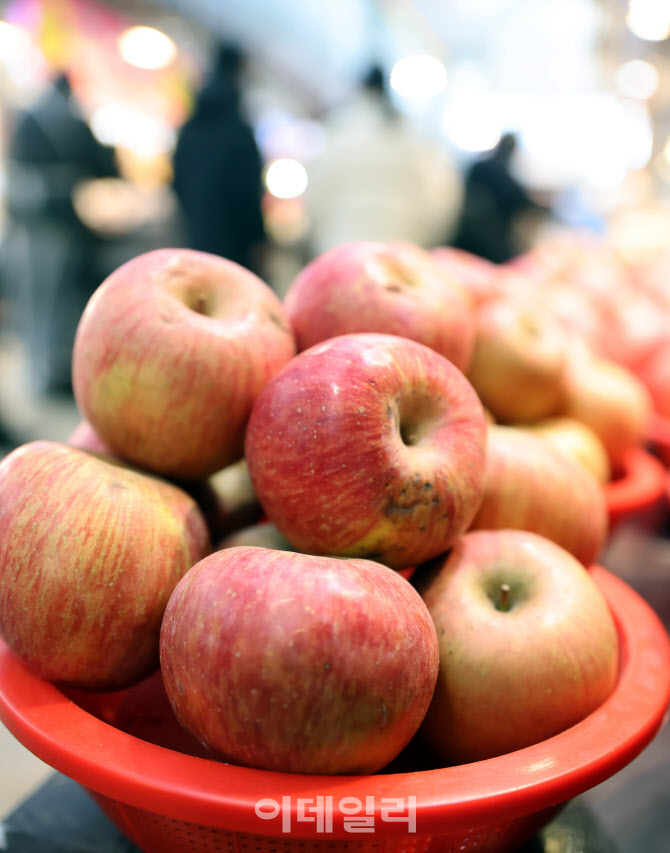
356 815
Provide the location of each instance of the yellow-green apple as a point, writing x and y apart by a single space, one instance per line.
298 663
528 645
532 486
90 551
392 288
227 499
611 400
263 534
169 355
518 360
579 441
368 445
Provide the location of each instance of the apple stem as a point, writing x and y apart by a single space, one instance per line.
200 304
504 599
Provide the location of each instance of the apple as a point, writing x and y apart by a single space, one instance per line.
654 373
227 499
262 535
518 361
611 400
372 286
90 551
579 441
298 663
477 275
169 355
532 486
368 445
528 645
85 437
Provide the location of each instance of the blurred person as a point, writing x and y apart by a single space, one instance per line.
377 178
493 206
218 169
51 255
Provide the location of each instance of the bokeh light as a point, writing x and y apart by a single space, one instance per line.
146 47
418 76
286 178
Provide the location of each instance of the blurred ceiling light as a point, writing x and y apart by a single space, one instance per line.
14 41
418 76
649 19
286 178
590 138
637 78
125 126
146 47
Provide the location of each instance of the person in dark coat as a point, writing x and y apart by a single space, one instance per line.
218 170
51 264
493 201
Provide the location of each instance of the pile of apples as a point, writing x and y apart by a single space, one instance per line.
332 521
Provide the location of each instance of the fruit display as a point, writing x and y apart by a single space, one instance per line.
334 526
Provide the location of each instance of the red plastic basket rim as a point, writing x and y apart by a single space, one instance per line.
210 793
658 431
642 483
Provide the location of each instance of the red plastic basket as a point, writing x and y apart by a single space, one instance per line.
127 750
658 437
638 493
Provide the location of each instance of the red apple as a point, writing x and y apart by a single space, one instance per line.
528 645
392 288
518 361
169 355
477 275
298 663
654 373
532 486
90 552
368 445
578 441
609 399
85 437
226 499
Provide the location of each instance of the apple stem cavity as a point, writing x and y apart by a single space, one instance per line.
504 602
200 304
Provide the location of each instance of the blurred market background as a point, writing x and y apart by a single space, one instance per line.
583 85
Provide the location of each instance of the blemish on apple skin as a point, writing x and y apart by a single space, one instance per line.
326 666
274 318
